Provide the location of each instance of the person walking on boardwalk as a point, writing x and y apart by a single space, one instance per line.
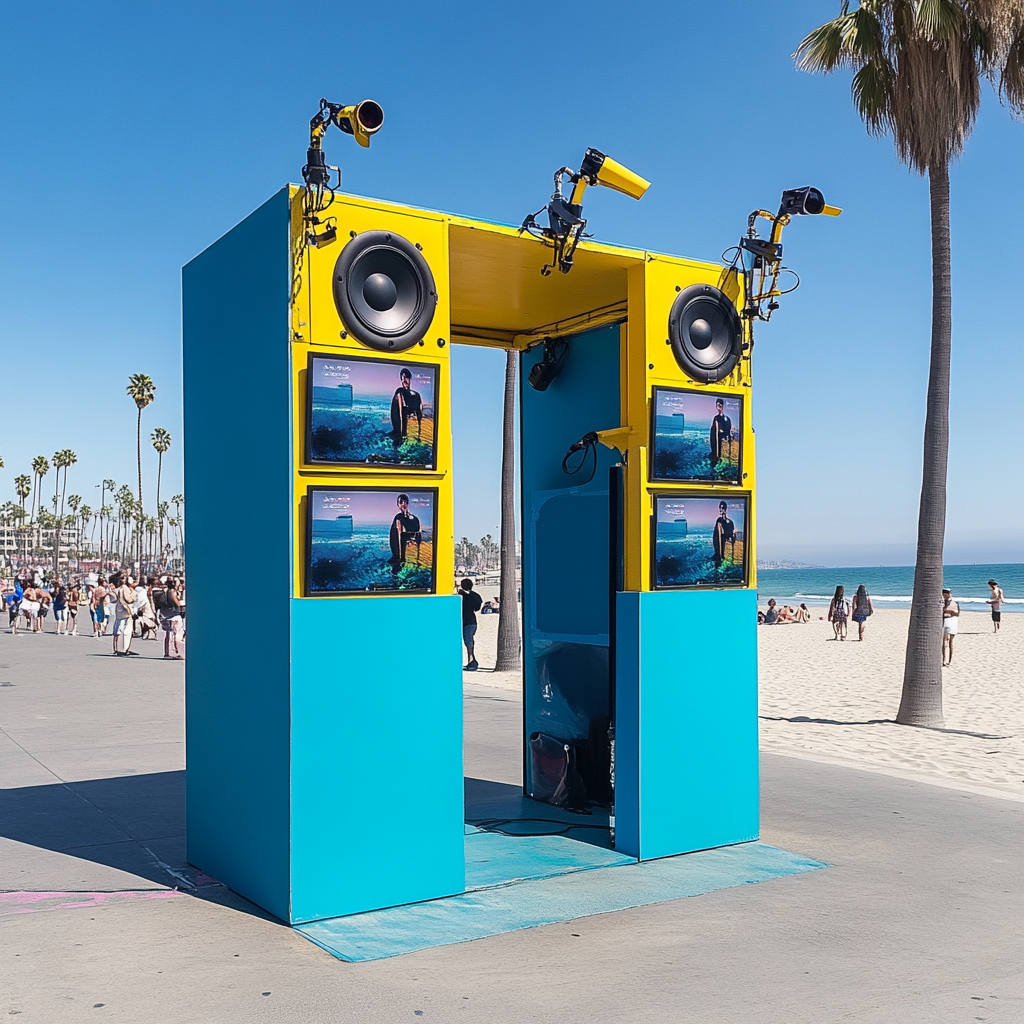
168 601
950 625
838 610
60 609
996 601
74 598
13 602
44 600
30 609
124 597
860 610
98 609
471 602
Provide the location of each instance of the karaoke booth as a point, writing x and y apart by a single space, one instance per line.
324 749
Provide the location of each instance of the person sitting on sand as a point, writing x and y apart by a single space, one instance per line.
802 613
950 625
838 610
862 608
786 615
772 615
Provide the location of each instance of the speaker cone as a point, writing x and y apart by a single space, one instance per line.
705 333
384 291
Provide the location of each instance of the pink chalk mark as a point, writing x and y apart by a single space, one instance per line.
29 902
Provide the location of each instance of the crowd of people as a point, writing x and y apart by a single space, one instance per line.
119 606
859 609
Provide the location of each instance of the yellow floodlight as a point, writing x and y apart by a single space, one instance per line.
761 258
565 216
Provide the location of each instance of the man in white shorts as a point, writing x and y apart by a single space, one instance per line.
950 625
124 600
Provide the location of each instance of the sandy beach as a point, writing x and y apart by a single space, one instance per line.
837 701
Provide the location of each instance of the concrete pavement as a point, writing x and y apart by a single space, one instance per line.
917 919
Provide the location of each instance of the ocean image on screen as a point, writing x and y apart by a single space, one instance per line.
371 541
373 412
699 541
696 437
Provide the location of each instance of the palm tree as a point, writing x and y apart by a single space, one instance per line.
508 612
56 478
125 507
177 500
84 518
61 460
23 487
161 442
74 501
104 513
40 467
918 66
141 390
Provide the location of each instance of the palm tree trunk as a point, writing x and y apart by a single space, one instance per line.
138 454
921 703
508 614
56 542
160 518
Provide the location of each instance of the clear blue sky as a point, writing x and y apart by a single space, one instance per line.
136 134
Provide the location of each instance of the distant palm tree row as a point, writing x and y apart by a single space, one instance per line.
126 534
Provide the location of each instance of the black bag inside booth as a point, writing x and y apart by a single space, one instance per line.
556 779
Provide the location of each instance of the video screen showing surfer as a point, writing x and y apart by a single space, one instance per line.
369 411
696 436
699 541
360 543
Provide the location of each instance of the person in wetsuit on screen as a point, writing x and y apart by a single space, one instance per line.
405 530
405 403
721 431
725 530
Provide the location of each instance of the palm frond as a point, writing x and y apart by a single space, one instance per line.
866 35
1011 79
939 20
823 49
872 95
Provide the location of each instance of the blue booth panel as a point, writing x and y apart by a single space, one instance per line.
236 330
376 763
686 721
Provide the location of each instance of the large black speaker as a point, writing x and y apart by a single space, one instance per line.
705 333
384 290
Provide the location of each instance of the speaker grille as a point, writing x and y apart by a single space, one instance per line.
705 333
384 291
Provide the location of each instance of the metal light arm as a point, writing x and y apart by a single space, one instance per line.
566 222
360 120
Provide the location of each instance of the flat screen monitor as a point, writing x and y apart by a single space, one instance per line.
695 435
371 412
699 540
370 540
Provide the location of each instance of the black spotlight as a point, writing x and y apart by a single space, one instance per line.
796 201
705 333
556 351
384 291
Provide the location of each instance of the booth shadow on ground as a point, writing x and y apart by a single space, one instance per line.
136 824
504 808
132 823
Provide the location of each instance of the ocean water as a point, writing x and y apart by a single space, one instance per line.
891 586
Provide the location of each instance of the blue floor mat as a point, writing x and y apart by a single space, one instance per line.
510 905
496 859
